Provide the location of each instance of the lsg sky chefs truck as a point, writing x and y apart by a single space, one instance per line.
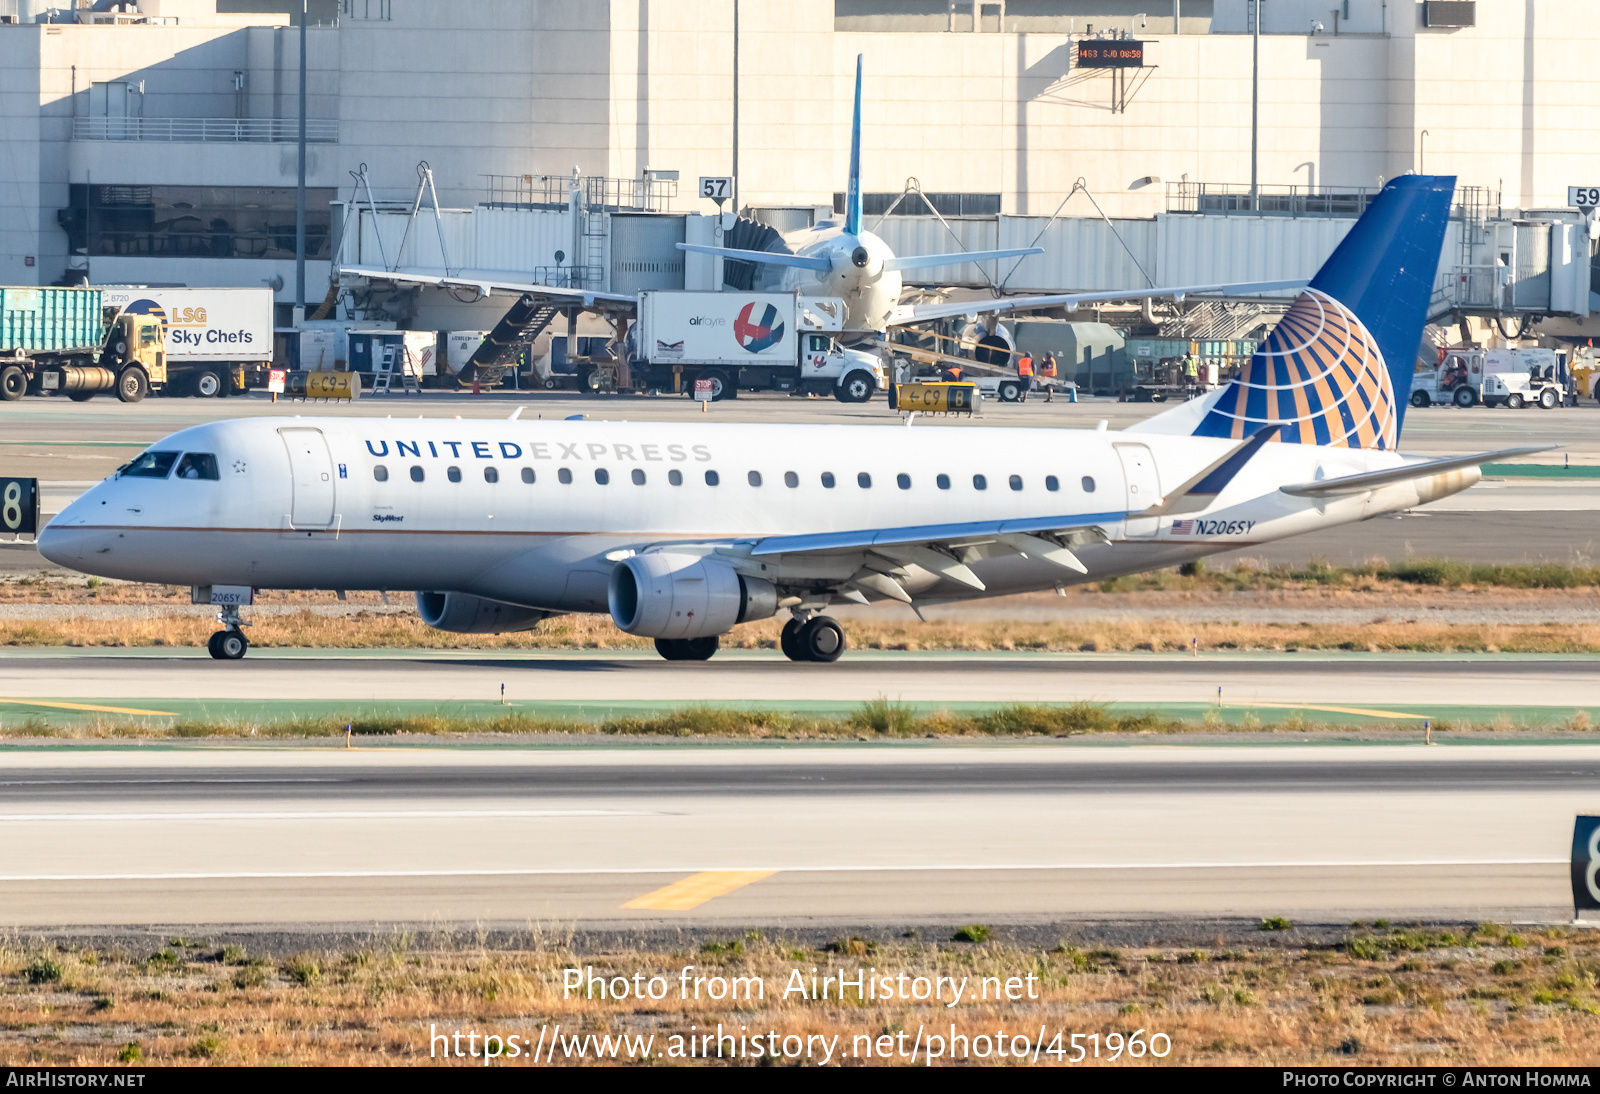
58 341
741 340
214 339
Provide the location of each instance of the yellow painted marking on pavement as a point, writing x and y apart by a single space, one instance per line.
1339 710
86 706
696 889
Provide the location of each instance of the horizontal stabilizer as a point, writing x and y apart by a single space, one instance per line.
923 262
1371 480
769 258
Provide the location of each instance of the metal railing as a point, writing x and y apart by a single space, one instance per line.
1271 200
204 130
548 191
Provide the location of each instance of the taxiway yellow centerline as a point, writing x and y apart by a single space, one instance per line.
696 889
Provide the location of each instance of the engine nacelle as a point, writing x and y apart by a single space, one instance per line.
665 595
459 613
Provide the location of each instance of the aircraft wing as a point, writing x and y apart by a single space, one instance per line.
1371 480
949 549
917 313
484 285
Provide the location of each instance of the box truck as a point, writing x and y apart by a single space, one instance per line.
60 341
213 337
743 340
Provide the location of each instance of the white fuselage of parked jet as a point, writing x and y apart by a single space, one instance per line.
538 513
857 274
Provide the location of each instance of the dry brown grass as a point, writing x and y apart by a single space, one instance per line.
371 630
1414 996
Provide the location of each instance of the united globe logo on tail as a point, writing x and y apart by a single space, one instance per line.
761 334
1320 374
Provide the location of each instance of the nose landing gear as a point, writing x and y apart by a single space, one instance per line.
816 638
229 644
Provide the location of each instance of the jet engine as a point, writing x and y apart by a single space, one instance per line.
665 595
459 613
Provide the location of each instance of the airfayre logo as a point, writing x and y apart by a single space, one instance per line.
758 335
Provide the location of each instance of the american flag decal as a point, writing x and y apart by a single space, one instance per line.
1183 527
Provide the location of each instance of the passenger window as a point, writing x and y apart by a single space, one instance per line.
903 480
416 473
1051 483
943 482
827 480
527 475
564 476
491 474
1088 484
638 477
380 473
675 477
864 481
198 465
754 478
602 476
151 465
1016 482
453 474
980 483
712 478
791 480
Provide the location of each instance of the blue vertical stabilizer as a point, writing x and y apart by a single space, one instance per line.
852 194
1337 368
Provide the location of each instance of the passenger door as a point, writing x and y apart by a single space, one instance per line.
311 468
1143 487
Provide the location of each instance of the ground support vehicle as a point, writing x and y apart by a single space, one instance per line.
215 340
60 341
1159 381
1511 377
1517 390
738 341
995 378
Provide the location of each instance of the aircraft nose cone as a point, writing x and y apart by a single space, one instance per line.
62 546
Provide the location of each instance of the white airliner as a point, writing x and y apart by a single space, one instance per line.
682 531
831 259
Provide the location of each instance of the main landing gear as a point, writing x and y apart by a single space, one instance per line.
817 638
229 644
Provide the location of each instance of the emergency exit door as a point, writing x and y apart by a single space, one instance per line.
1142 485
311 469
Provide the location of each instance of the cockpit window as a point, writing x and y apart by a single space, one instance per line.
198 465
151 465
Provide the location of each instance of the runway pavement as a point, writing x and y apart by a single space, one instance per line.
765 678
863 834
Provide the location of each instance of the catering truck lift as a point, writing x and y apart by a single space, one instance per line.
59 341
742 340
216 340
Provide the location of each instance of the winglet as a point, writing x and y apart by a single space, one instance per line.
852 194
1201 490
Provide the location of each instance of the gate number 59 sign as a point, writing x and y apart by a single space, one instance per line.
19 506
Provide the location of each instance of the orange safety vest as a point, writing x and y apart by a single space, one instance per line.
1025 365
1048 367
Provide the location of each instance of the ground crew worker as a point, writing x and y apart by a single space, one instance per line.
1025 374
1191 371
1047 369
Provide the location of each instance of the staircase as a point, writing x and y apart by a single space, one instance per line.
1220 320
521 324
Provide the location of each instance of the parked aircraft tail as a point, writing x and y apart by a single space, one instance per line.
1337 368
852 192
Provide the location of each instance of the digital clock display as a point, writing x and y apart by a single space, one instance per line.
1111 54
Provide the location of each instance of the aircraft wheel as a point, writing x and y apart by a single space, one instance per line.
228 645
1465 397
821 639
688 649
1420 398
789 640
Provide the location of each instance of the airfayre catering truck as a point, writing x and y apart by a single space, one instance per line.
214 338
60 341
742 340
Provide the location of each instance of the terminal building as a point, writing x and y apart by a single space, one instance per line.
155 141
